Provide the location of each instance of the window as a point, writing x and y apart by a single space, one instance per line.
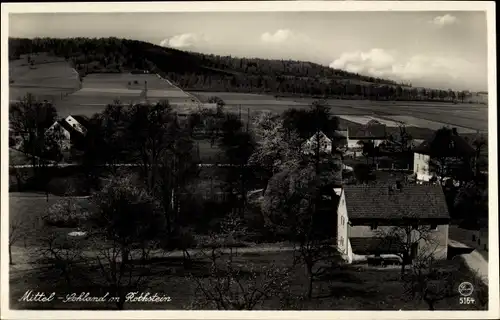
434 227
374 226
417 167
342 220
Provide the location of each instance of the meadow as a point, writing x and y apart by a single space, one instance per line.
467 118
48 78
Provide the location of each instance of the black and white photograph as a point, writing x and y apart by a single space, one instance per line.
270 156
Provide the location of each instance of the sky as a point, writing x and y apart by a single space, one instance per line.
432 49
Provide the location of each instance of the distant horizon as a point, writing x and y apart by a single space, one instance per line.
436 50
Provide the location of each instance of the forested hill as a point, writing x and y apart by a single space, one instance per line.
196 71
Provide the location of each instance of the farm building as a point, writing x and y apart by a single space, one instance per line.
447 148
370 216
68 129
372 131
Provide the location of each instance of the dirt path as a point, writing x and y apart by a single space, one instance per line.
25 258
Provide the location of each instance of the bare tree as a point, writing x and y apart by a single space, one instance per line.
232 283
428 281
17 231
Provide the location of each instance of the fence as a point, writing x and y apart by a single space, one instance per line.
392 168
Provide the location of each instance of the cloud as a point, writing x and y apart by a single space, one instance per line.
282 36
419 68
444 20
183 41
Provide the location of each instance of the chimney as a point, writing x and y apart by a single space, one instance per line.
454 130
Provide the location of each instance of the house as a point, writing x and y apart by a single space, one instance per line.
68 129
372 131
337 138
310 145
445 148
374 219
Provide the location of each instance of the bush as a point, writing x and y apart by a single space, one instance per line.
65 214
67 186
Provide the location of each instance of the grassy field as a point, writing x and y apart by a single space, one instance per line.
470 117
48 78
343 288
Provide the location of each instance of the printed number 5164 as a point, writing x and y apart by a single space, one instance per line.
467 300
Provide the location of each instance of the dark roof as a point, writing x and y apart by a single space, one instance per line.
373 131
412 201
63 123
74 134
375 245
445 143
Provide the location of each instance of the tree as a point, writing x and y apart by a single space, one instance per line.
471 202
405 140
163 146
220 104
234 284
18 229
448 159
124 226
408 237
363 173
274 147
306 122
30 120
238 146
292 203
368 150
479 143
427 282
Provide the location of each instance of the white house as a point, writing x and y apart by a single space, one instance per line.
66 129
310 145
369 215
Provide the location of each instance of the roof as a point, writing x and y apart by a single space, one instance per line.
412 201
340 134
445 142
372 131
83 120
375 245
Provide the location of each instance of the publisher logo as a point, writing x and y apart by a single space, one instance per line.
465 289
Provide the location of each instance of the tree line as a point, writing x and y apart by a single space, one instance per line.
196 71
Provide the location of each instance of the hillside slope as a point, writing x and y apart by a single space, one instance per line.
203 72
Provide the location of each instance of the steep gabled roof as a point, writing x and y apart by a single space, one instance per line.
412 201
445 143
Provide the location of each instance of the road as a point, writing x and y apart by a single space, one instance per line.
474 261
25 258
65 165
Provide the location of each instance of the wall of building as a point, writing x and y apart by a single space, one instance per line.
353 143
438 239
342 225
421 166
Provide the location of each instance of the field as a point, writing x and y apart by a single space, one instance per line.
53 79
48 78
467 118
